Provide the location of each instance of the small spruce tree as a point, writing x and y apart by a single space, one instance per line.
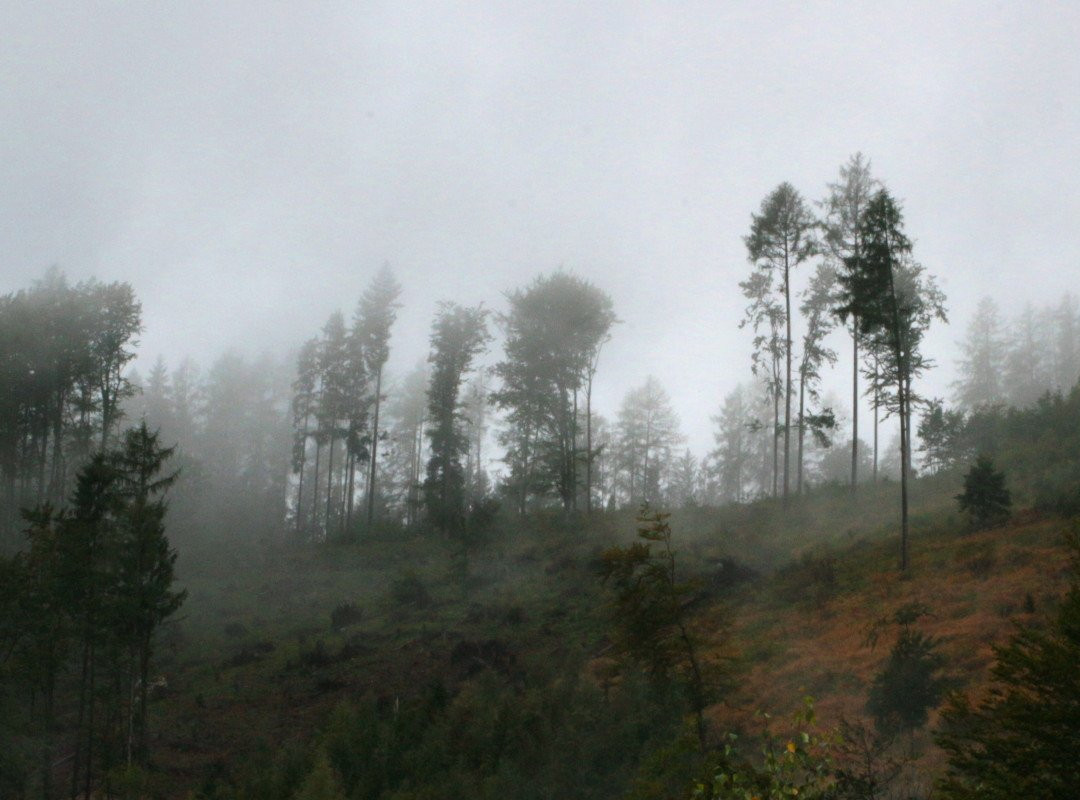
908 686
985 497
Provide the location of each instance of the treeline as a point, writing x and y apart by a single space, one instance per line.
416 451
64 350
230 425
1015 362
1035 445
81 608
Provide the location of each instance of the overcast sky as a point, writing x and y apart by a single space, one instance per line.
248 166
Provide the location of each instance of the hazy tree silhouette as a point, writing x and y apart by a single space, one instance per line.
894 303
781 238
843 212
985 498
375 316
458 335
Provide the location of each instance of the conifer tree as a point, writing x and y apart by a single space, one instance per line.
781 238
304 404
766 316
146 561
843 213
733 446
1028 374
554 331
985 497
983 359
894 303
458 335
1066 344
337 377
647 431
816 308
375 316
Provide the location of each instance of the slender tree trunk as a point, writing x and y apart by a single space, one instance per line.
904 446
588 446
414 477
56 488
350 488
374 450
802 430
776 443
787 380
525 467
480 440
300 484
329 481
902 368
347 492
573 457
42 459
315 488
645 466
854 401
877 406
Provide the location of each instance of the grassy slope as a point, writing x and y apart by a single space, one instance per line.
279 670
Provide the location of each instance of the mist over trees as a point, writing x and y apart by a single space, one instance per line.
553 331
65 353
494 434
83 605
842 224
335 445
458 336
1014 363
895 303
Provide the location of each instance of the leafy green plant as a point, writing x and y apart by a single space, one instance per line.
799 765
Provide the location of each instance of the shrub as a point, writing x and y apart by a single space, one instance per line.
909 685
408 590
345 614
985 497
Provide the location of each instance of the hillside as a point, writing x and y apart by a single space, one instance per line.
275 650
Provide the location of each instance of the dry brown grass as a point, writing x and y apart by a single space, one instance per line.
822 649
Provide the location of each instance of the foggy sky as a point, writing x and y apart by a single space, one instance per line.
248 167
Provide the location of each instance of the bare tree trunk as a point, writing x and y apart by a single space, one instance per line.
802 431
776 443
315 488
588 446
854 401
904 447
525 467
573 457
877 406
329 481
787 380
300 484
347 494
374 450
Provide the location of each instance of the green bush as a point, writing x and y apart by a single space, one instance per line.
985 498
408 590
909 685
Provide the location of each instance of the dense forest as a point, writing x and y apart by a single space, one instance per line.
313 577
